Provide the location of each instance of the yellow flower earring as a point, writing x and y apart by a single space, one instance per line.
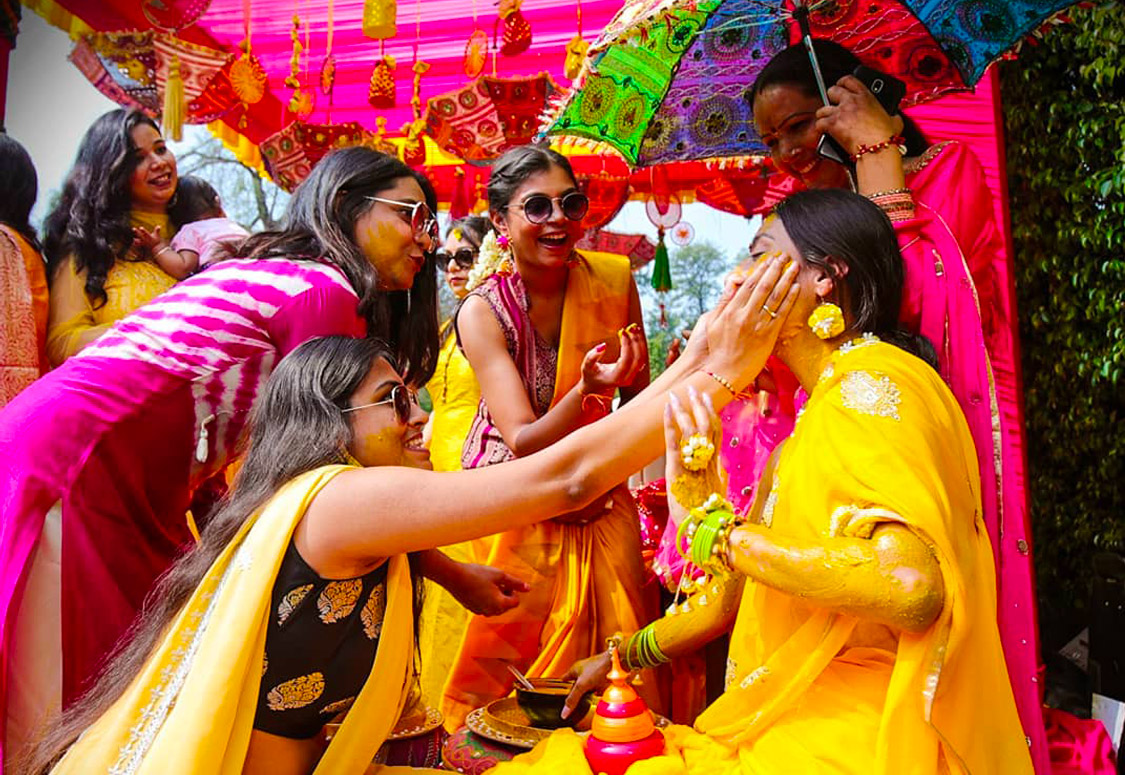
827 320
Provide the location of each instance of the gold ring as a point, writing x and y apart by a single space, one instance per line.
769 311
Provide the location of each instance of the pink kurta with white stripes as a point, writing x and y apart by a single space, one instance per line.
122 434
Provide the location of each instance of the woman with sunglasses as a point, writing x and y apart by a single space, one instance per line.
296 603
552 335
103 454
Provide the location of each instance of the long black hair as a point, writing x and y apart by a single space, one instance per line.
792 67
295 427
511 170
91 219
19 186
320 222
837 224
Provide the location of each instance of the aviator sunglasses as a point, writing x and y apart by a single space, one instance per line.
422 221
538 208
401 396
462 257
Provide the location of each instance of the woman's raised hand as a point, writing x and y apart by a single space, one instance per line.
744 325
855 116
599 376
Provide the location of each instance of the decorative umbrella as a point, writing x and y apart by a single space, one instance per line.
670 80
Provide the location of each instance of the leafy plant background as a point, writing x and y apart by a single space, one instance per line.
1064 111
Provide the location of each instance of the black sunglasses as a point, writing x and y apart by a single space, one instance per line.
538 208
403 398
462 257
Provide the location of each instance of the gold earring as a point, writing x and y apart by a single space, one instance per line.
827 320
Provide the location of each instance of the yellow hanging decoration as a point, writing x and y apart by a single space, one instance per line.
174 108
381 94
379 18
576 49
303 100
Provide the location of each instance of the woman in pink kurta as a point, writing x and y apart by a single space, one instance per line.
100 457
952 246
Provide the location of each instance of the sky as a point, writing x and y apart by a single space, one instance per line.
50 105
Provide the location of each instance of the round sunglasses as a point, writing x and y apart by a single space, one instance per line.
463 258
538 208
421 219
403 398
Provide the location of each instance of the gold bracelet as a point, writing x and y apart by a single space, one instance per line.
890 192
722 381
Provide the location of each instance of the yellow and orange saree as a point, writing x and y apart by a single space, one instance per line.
587 581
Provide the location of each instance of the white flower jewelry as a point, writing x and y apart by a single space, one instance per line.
696 452
491 258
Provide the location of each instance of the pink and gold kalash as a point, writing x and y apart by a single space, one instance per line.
623 731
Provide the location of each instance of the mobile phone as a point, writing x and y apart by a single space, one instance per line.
887 89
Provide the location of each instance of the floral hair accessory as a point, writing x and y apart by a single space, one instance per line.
493 258
457 233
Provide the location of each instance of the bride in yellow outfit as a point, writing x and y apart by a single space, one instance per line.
861 588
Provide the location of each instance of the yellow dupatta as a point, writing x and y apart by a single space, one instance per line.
881 440
586 583
191 708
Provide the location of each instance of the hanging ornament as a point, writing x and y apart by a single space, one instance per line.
302 101
379 141
382 91
476 53
664 212
379 18
328 65
249 80
516 36
683 233
576 49
575 57
414 147
174 107
292 81
173 15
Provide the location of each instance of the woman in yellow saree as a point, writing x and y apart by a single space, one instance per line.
865 637
541 328
335 492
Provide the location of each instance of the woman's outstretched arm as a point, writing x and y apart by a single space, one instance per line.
377 512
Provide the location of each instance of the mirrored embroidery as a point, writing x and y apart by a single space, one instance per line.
290 601
754 676
870 393
338 599
296 693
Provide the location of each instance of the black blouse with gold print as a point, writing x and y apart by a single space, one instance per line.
320 646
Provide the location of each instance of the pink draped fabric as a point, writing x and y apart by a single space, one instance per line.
116 435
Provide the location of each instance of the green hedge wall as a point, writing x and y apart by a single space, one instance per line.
1064 110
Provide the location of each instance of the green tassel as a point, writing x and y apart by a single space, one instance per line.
661 270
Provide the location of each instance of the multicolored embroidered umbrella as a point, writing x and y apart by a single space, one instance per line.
669 80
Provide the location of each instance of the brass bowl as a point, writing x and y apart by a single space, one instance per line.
543 705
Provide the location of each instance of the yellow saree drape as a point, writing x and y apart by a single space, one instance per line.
191 708
587 581
881 440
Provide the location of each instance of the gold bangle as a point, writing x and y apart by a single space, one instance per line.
890 192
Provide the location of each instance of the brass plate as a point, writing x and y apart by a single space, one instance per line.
502 721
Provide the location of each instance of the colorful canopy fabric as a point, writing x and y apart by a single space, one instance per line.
670 80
